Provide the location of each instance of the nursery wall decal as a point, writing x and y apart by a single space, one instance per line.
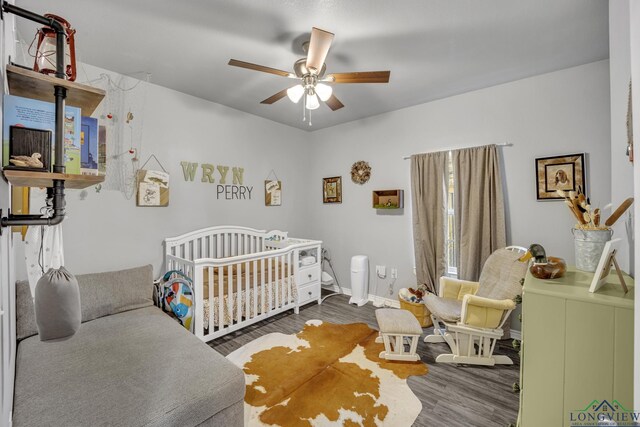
212 174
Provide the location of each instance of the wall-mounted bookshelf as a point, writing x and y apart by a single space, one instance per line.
30 84
23 178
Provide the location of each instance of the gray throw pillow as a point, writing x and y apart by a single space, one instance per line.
57 305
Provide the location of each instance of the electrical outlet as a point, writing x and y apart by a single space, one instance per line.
394 273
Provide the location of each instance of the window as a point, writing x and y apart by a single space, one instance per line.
452 269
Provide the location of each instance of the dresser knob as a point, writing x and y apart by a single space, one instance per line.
310 293
309 276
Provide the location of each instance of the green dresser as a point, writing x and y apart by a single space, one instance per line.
577 347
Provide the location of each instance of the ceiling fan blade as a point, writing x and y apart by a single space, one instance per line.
256 67
334 103
318 48
360 77
276 97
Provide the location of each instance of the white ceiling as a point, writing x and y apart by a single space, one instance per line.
434 48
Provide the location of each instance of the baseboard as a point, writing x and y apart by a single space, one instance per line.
376 300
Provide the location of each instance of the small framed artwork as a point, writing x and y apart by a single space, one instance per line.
559 173
332 190
607 260
272 193
153 188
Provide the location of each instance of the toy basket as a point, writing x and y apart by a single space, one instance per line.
419 310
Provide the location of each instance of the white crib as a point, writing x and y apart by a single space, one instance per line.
240 275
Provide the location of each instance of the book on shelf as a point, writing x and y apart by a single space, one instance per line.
35 114
89 146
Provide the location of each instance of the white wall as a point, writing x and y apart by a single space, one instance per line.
7 271
634 16
621 168
563 112
105 231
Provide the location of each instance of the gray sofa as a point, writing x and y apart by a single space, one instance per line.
130 364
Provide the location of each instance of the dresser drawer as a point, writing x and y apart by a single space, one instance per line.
308 275
308 293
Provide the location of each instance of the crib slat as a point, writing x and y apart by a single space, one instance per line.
212 305
283 267
290 278
262 289
255 288
239 291
234 244
247 312
274 284
198 325
220 298
270 281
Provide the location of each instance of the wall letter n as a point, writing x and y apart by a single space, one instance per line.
237 175
189 170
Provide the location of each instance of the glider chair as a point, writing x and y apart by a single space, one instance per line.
469 316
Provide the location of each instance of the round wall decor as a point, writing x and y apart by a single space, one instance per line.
360 172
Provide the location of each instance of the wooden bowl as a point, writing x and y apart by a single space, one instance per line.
553 269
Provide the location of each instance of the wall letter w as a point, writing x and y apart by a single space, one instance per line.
189 170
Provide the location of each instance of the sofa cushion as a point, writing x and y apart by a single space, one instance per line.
134 368
113 292
101 294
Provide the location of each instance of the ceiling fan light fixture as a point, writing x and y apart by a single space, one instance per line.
323 91
295 93
312 101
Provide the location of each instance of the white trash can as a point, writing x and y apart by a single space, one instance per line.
359 280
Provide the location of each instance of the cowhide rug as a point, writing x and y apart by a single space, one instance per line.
327 374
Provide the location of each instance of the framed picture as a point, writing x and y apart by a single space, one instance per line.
608 259
153 188
559 173
273 193
332 190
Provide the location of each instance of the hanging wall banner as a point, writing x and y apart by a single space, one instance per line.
219 175
153 188
273 193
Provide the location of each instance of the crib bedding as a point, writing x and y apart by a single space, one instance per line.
269 293
239 275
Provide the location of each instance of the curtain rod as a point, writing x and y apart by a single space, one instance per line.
500 144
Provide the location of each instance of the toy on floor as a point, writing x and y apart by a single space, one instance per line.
175 295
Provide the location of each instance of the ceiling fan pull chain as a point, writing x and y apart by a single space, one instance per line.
309 117
304 108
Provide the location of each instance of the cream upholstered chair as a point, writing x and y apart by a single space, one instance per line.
469 316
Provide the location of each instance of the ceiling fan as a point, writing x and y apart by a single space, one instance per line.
311 73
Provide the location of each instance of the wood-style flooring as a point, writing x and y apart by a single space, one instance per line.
451 395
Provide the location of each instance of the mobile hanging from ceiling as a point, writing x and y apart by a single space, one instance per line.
314 84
